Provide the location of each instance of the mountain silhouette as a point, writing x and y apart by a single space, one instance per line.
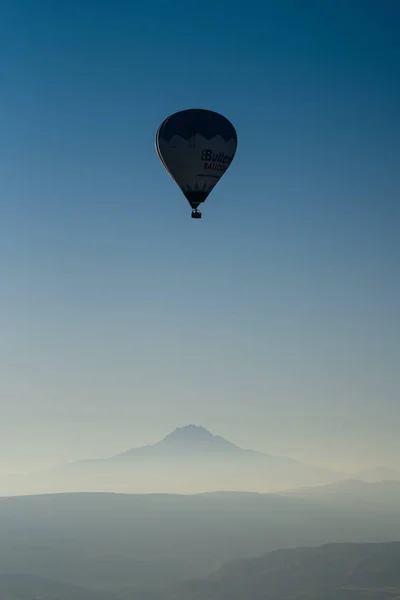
122 542
194 443
190 459
335 571
190 438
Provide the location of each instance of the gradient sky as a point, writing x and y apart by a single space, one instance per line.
274 321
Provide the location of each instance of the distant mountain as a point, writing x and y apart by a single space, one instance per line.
329 572
352 492
190 438
188 460
190 441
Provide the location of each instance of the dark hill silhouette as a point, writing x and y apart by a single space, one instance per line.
118 541
329 572
367 571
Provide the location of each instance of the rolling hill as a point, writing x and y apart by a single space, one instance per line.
369 571
128 544
328 572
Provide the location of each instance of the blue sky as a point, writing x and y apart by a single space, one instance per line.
273 321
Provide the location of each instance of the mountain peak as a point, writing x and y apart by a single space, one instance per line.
190 432
184 441
195 437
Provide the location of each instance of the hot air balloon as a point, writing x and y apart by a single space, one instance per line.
196 147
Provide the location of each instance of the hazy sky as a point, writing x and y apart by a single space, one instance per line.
274 321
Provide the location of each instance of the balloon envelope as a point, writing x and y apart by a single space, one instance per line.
196 147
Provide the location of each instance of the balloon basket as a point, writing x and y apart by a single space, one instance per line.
196 214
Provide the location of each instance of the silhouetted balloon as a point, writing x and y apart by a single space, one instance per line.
196 147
